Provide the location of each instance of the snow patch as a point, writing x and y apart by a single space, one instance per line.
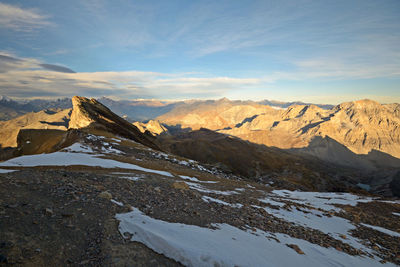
317 212
194 179
229 246
117 202
132 178
78 147
202 189
110 149
6 171
67 159
272 202
211 199
322 200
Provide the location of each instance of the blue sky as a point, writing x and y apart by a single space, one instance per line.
314 51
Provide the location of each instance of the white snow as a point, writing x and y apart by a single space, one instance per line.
201 168
322 200
208 199
183 162
110 149
272 202
313 215
105 148
67 159
94 137
382 230
129 176
395 213
78 147
194 179
117 202
200 188
6 171
132 178
333 226
229 246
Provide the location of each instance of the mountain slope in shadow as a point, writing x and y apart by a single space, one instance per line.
329 150
260 163
323 165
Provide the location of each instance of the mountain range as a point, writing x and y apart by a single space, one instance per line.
108 192
132 110
361 126
356 140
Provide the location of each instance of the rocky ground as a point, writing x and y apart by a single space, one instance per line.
65 215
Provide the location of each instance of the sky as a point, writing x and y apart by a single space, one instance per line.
312 51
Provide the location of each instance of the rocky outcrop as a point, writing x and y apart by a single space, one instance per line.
91 116
45 119
152 126
38 141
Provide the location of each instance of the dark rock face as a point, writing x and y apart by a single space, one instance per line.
395 185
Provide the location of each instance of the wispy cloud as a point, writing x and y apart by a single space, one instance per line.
9 62
331 69
56 68
25 77
16 18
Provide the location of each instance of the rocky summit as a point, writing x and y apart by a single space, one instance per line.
91 115
100 191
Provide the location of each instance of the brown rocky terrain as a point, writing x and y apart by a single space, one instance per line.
213 115
103 192
258 162
46 119
66 213
362 126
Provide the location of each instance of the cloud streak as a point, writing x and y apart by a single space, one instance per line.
19 19
56 68
25 77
